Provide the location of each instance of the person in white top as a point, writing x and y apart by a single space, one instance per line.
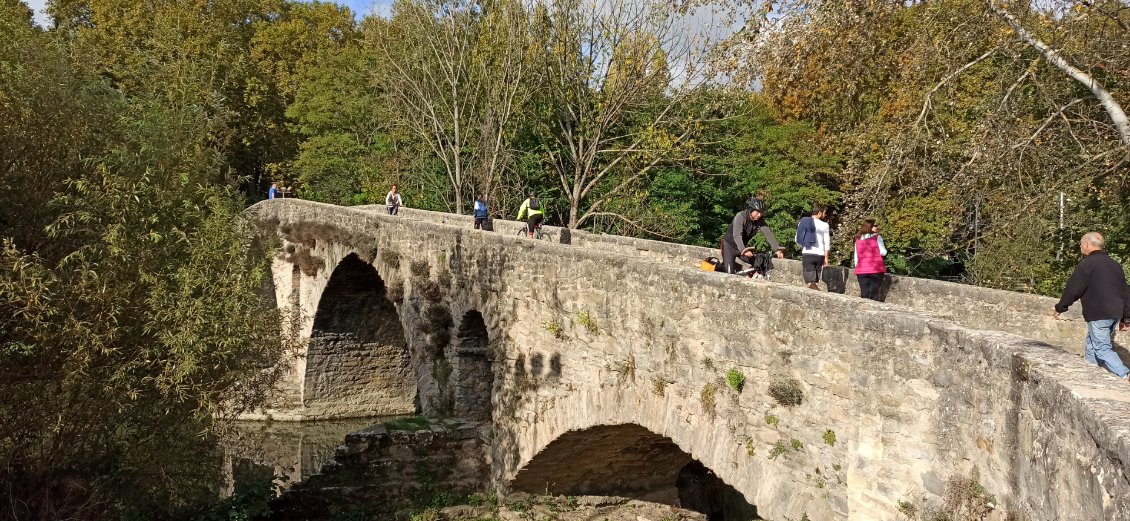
393 201
814 237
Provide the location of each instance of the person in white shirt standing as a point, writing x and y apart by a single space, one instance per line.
815 239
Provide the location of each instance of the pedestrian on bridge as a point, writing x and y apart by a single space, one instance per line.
481 214
1100 283
393 201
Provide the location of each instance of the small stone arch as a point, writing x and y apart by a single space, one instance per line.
358 362
629 460
474 369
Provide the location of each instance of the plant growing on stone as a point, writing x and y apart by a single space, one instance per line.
796 444
908 509
778 449
419 269
830 437
772 420
708 363
786 391
390 257
735 379
586 320
707 399
659 386
554 328
750 448
967 500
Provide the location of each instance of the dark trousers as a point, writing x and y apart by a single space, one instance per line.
730 259
479 223
393 209
534 222
812 265
869 285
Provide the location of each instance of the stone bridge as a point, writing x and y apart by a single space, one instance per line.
602 363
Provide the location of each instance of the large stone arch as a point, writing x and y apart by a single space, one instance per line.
630 461
357 362
770 487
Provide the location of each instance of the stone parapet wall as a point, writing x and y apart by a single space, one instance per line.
895 402
973 306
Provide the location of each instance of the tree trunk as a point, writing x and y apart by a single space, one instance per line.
1113 109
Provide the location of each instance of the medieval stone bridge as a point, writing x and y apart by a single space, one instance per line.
602 361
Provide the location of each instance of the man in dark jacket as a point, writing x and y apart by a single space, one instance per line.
1101 284
745 224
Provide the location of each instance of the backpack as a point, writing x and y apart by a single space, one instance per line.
534 204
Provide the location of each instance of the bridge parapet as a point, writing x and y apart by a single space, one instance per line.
978 307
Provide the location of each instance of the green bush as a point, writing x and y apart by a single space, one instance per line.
786 391
735 379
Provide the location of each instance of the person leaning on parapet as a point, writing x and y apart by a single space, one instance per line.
745 224
393 201
480 213
814 237
273 192
533 207
868 259
1101 284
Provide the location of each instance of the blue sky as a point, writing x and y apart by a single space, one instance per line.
364 7
359 7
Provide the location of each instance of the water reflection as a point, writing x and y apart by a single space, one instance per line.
286 452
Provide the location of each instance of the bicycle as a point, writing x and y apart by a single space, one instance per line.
524 231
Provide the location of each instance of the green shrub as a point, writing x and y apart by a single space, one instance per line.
786 391
735 379
772 420
830 437
778 449
707 399
589 323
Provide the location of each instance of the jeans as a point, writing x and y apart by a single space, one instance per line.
1097 348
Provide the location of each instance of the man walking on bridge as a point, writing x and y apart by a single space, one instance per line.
1101 284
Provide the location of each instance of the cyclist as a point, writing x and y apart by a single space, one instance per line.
745 224
533 207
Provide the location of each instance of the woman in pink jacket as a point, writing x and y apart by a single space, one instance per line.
869 265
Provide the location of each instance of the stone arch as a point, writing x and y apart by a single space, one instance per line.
474 368
631 461
358 362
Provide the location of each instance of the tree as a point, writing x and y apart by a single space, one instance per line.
455 70
131 319
960 107
610 106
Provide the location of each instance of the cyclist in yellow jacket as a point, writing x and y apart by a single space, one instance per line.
532 207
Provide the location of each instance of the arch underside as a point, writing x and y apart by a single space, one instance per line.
358 362
630 461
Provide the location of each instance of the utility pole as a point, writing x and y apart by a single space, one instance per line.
976 224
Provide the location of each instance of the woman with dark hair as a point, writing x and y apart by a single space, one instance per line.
868 259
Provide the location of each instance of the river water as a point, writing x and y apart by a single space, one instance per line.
283 452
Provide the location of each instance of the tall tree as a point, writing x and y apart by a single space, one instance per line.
455 74
612 78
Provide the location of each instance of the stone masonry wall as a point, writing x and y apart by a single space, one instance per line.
383 469
895 402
